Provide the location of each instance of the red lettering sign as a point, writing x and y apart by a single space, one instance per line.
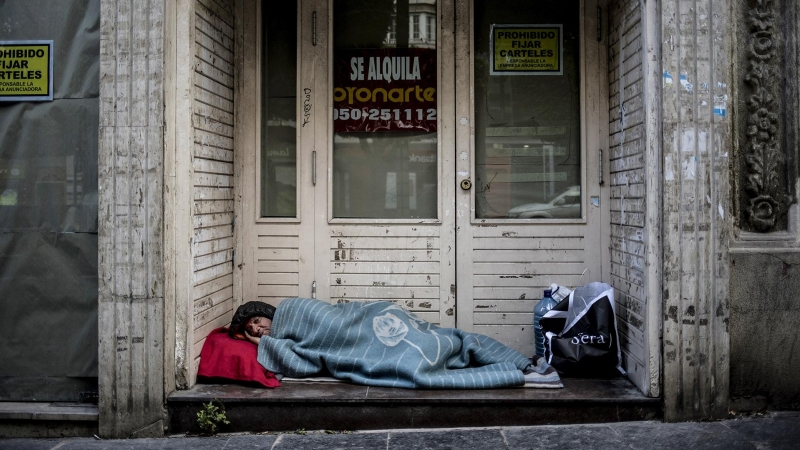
384 90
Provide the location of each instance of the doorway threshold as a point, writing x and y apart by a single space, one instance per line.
47 419
345 406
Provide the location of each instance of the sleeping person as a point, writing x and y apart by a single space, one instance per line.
380 344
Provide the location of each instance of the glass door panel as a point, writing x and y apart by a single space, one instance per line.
278 190
385 163
529 91
527 109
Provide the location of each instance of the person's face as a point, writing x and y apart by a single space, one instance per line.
258 326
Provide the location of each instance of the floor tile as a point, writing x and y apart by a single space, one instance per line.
688 435
783 426
595 437
254 442
446 440
117 444
355 441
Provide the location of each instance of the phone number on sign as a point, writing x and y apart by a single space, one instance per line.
384 114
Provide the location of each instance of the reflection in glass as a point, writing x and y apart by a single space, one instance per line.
527 134
278 110
385 139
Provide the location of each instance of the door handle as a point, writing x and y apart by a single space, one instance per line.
466 184
600 168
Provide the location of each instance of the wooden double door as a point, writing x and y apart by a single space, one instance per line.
444 154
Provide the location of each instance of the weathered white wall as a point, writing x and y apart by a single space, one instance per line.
131 150
198 203
212 163
635 171
696 40
628 156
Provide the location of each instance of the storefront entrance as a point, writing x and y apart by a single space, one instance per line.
444 154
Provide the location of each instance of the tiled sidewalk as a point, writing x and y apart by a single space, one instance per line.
779 430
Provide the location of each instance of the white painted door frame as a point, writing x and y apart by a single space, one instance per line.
276 253
500 260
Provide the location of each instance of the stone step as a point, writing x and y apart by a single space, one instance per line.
54 411
47 419
344 406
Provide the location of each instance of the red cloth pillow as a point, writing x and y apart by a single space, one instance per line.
228 359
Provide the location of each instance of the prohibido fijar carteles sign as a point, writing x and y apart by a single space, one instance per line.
526 49
26 71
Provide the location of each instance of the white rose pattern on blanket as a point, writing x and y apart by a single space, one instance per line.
390 330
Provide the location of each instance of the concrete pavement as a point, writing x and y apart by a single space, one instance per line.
776 430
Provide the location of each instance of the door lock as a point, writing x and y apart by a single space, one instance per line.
466 184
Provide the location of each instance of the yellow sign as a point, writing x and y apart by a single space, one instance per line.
526 49
26 71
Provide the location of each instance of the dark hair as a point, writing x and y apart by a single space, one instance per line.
247 311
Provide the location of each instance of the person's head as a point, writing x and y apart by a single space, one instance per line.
256 316
258 326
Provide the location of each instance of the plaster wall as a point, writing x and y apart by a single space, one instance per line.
696 208
131 175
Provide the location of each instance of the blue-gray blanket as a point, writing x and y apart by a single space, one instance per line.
381 344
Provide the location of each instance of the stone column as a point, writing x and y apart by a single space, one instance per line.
695 43
131 153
